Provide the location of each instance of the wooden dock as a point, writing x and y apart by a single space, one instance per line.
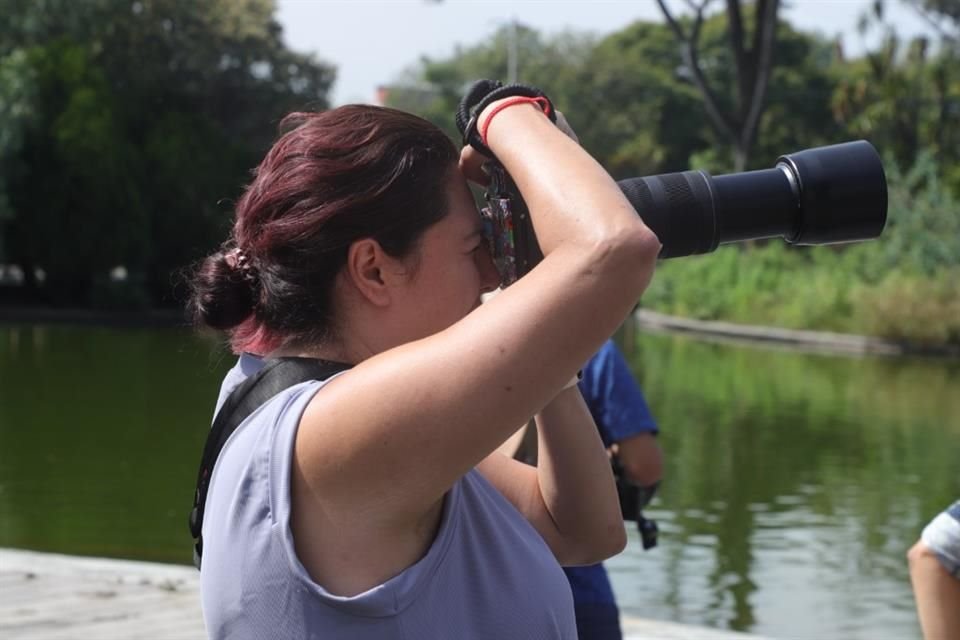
46 596
822 341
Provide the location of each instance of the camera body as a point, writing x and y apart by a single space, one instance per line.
633 500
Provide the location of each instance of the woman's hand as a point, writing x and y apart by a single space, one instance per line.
471 166
471 160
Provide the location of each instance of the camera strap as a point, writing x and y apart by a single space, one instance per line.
277 374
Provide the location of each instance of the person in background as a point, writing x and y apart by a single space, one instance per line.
628 431
935 575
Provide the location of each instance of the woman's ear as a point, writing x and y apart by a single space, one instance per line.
372 272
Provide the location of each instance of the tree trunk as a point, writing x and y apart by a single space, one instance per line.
740 158
753 68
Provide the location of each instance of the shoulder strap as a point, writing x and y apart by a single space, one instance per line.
277 374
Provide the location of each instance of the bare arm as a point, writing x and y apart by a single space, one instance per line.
639 455
428 411
570 496
937 594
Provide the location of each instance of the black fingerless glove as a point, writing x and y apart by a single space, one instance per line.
480 94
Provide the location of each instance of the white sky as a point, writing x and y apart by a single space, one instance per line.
372 41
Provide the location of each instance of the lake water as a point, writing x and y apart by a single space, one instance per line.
794 484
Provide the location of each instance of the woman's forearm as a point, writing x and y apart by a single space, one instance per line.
576 481
570 196
574 203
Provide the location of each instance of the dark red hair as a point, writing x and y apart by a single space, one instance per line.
333 178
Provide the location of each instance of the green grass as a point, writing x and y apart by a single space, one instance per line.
904 285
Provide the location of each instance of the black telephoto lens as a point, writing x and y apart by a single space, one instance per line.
824 195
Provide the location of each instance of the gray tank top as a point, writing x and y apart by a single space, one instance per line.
487 575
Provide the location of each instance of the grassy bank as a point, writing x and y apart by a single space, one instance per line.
903 286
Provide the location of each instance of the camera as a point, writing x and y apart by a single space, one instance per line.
823 195
633 500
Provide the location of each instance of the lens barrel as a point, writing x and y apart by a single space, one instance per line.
824 195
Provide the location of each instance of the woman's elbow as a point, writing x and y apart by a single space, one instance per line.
615 540
629 257
599 545
920 557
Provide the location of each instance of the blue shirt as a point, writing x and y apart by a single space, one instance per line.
620 411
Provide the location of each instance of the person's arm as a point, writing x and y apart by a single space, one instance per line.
937 594
570 496
390 437
616 402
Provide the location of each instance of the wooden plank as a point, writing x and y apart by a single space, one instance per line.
49 596
818 341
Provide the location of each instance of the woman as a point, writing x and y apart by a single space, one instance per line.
374 504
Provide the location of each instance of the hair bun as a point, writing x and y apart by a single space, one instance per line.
223 290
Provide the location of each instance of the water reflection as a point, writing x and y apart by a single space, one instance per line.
795 483
100 431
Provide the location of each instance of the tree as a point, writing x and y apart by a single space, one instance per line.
432 87
943 16
904 97
124 123
753 63
634 112
66 169
628 96
649 116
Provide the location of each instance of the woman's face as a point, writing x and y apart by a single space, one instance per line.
451 268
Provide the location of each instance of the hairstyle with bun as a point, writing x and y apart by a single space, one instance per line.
332 178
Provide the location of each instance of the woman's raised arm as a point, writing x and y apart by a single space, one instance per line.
395 433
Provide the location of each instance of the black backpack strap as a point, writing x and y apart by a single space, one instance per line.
277 374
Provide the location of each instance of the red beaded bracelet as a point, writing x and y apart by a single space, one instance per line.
540 101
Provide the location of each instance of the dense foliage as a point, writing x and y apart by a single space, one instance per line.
123 124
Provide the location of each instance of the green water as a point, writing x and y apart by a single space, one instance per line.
100 435
794 484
